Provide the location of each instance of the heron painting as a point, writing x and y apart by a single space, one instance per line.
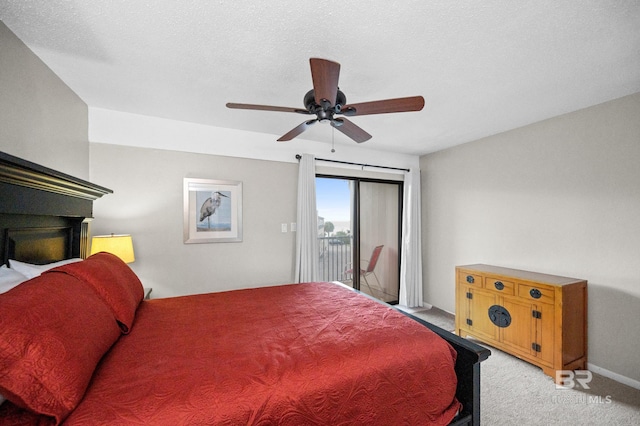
212 211
212 208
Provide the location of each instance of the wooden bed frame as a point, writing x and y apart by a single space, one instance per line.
45 217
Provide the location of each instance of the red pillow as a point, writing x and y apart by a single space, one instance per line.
53 332
113 280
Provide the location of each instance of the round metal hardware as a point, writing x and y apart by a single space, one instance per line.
499 285
535 293
500 316
470 279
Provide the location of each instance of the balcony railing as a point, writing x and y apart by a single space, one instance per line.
335 257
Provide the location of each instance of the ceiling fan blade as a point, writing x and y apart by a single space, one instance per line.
267 108
325 75
348 128
296 130
412 103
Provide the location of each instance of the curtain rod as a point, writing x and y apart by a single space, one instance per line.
298 157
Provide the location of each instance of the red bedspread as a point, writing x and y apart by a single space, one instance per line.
293 355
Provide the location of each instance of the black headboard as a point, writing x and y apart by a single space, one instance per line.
44 214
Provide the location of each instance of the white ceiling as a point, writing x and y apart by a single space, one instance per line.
483 67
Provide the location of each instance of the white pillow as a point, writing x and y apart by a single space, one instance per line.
10 278
31 271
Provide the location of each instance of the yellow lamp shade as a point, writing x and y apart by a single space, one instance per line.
120 245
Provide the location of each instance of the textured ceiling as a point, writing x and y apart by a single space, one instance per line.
483 67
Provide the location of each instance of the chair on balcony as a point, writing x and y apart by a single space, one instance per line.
369 270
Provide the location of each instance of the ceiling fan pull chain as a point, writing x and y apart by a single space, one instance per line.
333 135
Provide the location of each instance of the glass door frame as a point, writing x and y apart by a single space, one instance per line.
355 250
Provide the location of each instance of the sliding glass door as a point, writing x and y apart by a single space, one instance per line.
359 233
379 219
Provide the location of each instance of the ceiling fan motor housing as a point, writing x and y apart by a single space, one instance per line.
323 113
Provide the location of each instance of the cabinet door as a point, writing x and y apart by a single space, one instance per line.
479 305
544 331
521 333
462 309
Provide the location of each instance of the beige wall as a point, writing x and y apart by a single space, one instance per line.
562 197
41 119
148 203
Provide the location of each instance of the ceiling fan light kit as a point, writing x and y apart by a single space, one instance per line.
326 100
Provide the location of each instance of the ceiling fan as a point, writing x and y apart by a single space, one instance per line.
326 100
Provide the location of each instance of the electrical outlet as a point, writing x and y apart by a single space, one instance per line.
293 227
284 227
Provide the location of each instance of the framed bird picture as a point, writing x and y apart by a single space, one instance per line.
212 211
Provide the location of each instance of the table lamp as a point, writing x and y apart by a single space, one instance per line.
119 245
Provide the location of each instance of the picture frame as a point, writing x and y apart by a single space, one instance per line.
212 211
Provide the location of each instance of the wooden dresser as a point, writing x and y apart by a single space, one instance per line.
537 317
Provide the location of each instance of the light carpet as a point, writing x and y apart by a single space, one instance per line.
514 392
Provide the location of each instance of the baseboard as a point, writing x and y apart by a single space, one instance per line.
450 313
425 306
614 376
429 306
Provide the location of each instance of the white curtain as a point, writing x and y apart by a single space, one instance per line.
411 258
307 256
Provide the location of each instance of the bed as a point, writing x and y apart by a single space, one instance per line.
310 353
